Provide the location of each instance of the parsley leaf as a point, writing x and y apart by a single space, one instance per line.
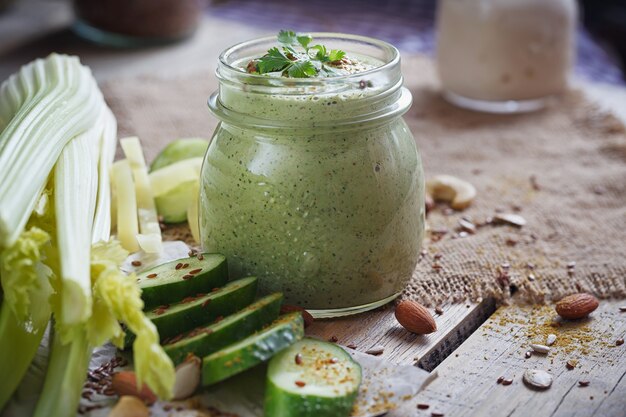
320 55
274 60
287 37
302 69
336 55
304 40
293 58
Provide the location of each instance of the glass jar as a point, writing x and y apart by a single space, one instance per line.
136 23
315 185
505 56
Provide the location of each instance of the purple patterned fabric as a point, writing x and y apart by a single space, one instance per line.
407 24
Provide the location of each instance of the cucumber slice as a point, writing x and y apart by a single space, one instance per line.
174 187
164 284
173 205
252 350
178 150
312 378
203 341
172 320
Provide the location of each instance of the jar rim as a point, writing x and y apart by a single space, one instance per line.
227 71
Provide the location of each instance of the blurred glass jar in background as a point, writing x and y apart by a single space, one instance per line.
505 56
134 23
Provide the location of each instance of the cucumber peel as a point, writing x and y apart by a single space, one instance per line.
171 320
252 350
165 284
312 378
205 340
178 150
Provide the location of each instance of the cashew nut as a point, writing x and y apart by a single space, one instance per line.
451 189
187 378
129 406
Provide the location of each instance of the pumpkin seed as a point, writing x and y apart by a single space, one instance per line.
376 350
538 379
540 348
510 218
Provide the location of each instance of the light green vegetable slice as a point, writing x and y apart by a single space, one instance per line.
312 378
168 178
178 150
252 350
150 238
175 189
127 223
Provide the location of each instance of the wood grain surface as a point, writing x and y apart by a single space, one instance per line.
467 380
379 328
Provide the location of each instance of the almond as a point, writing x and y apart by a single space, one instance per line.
576 306
415 317
306 316
129 406
125 383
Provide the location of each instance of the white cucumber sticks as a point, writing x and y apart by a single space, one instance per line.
150 237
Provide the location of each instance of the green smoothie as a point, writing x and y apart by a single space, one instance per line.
316 191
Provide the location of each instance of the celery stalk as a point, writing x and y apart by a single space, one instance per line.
102 218
76 174
118 298
20 338
57 141
64 377
50 102
16 356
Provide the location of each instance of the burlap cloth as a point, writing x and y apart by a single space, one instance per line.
563 169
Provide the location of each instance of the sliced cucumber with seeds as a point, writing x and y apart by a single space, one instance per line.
205 340
252 350
202 309
175 280
312 378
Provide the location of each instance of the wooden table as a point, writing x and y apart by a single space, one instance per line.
468 353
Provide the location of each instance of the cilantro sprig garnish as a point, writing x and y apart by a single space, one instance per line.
297 58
